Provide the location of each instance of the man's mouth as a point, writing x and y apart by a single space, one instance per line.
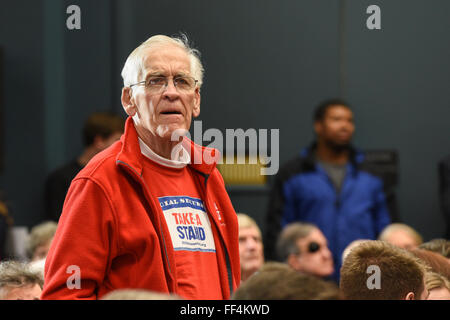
171 112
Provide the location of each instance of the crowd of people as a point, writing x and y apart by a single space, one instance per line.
133 217
408 268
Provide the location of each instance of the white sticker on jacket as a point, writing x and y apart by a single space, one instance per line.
188 223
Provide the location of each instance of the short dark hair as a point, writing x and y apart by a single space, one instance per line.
103 124
402 272
278 281
322 108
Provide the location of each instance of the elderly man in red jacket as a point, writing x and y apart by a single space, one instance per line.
143 214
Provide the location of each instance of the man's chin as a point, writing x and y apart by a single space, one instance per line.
339 146
171 132
325 273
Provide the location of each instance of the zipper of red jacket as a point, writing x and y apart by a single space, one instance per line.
150 200
219 233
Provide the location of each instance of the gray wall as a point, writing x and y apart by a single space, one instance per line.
398 78
23 127
268 63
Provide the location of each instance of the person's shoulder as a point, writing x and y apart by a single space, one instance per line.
370 177
101 165
67 170
294 166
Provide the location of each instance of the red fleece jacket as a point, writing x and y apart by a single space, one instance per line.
111 233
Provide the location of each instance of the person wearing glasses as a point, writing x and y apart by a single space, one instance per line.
329 184
151 212
304 248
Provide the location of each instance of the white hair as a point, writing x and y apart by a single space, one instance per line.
133 68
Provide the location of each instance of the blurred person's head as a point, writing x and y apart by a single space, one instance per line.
4 211
401 235
40 239
333 124
38 266
434 260
18 282
438 286
401 274
352 245
304 248
441 246
278 281
138 294
102 129
251 250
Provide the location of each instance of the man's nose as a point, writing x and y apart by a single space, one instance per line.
170 91
349 125
250 244
326 253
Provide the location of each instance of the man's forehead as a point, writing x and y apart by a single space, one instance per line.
166 58
26 291
314 235
250 230
339 109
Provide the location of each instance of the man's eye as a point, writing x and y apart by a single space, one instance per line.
181 81
157 81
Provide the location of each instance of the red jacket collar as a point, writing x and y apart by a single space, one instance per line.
203 159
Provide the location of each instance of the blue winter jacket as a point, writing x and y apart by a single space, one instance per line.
307 194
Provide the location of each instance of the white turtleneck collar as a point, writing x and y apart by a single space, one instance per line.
183 157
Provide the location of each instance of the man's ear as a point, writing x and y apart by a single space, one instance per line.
318 127
128 101
293 262
98 142
410 296
197 98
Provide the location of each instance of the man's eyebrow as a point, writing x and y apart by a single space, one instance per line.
155 74
182 74
162 74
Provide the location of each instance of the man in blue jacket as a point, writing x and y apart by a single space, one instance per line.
327 185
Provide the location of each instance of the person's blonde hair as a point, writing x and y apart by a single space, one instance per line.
403 227
245 221
134 67
401 272
39 235
434 280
